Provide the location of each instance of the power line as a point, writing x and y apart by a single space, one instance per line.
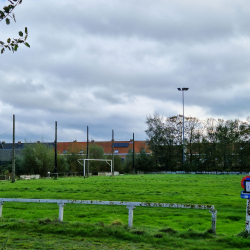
6 132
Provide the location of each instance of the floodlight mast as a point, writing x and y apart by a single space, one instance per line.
183 136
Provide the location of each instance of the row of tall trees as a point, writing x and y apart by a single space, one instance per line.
210 145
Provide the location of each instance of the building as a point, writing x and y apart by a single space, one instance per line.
121 148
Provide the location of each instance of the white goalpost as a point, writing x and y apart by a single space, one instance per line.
83 164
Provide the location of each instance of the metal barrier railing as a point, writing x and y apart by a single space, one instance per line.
130 206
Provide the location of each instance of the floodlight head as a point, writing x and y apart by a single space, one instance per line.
183 89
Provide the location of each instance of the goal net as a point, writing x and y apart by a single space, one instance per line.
82 162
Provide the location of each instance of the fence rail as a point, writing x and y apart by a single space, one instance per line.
130 206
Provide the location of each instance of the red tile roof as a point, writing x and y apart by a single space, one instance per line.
106 145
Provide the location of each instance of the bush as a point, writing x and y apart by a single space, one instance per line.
37 158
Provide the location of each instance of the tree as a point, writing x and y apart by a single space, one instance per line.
165 140
193 130
242 148
73 155
211 145
157 137
7 13
37 158
62 164
143 161
97 152
118 163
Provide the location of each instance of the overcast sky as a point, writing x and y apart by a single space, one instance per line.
107 64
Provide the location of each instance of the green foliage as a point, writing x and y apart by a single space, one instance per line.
128 164
37 158
165 138
62 164
210 145
118 164
72 157
142 161
97 152
6 13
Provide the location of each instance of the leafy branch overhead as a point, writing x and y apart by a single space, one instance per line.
7 14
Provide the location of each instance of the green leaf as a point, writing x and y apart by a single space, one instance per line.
27 44
26 30
20 33
1 14
7 21
8 40
25 37
6 9
2 50
11 7
1 42
15 47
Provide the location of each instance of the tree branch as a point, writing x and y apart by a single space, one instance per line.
12 44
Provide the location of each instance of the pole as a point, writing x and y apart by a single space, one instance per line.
113 153
183 136
13 152
55 168
84 168
183 127
134 153
248 216
87 152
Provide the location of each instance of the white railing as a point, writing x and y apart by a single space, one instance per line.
130 206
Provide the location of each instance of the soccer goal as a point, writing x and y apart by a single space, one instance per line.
82 162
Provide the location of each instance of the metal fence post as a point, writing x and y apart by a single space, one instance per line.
214 218
1 208
248 216
61 207
130 215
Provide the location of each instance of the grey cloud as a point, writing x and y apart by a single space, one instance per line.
90 59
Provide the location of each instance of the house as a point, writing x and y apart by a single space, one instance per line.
6 150
121 148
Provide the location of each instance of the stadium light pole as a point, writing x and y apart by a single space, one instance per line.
183 136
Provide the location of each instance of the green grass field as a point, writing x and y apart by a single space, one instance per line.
35 226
